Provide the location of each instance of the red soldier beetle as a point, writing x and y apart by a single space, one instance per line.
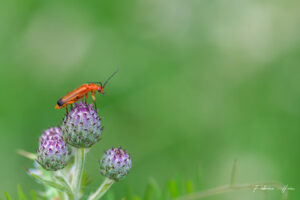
82 91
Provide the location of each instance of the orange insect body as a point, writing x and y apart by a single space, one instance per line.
82 91
79 93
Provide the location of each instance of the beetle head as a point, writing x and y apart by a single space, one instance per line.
101 89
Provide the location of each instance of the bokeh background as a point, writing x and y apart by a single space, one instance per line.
201 83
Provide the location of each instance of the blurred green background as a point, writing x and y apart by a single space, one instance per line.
201 83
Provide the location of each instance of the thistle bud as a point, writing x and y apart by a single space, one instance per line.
81 127
53 153
115 164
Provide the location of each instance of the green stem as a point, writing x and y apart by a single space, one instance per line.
229 188
79 166
102 189
62 179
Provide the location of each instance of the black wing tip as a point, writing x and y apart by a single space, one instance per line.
60 102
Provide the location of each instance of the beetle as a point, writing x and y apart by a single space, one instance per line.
82 91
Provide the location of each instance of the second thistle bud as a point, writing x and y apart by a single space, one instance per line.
53 153
115 164
81 127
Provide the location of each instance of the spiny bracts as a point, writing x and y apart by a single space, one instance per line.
81 126
115 164
53 152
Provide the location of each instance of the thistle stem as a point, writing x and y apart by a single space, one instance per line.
107 183
79 166
68 194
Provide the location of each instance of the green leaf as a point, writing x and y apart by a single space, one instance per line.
47 182
165 193
180 184
200 184
21 194
173 188
128 193
64 183
33 195
189 187
58 186
85 181
26 154
149 193
7 196
110 195
152 190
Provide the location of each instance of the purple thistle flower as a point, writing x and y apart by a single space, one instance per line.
53 153
81 127
115 164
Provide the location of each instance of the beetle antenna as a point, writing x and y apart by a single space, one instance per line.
96 82
111 76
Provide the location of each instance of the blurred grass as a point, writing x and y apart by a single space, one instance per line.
201 84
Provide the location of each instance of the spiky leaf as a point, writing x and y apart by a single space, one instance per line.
33 195
189 187
110 195
7 196
152 190
128 193
85 181
173 188
53 184
21 194
31 156
180 184
200 179
62 181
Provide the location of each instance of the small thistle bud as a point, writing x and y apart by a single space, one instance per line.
115 164
81 127
53 153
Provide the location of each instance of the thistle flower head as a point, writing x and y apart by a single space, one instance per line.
81 127
115 164
53 153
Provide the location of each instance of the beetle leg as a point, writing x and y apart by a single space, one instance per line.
71 106
94 100
67 112
95 106
86 96
93 97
